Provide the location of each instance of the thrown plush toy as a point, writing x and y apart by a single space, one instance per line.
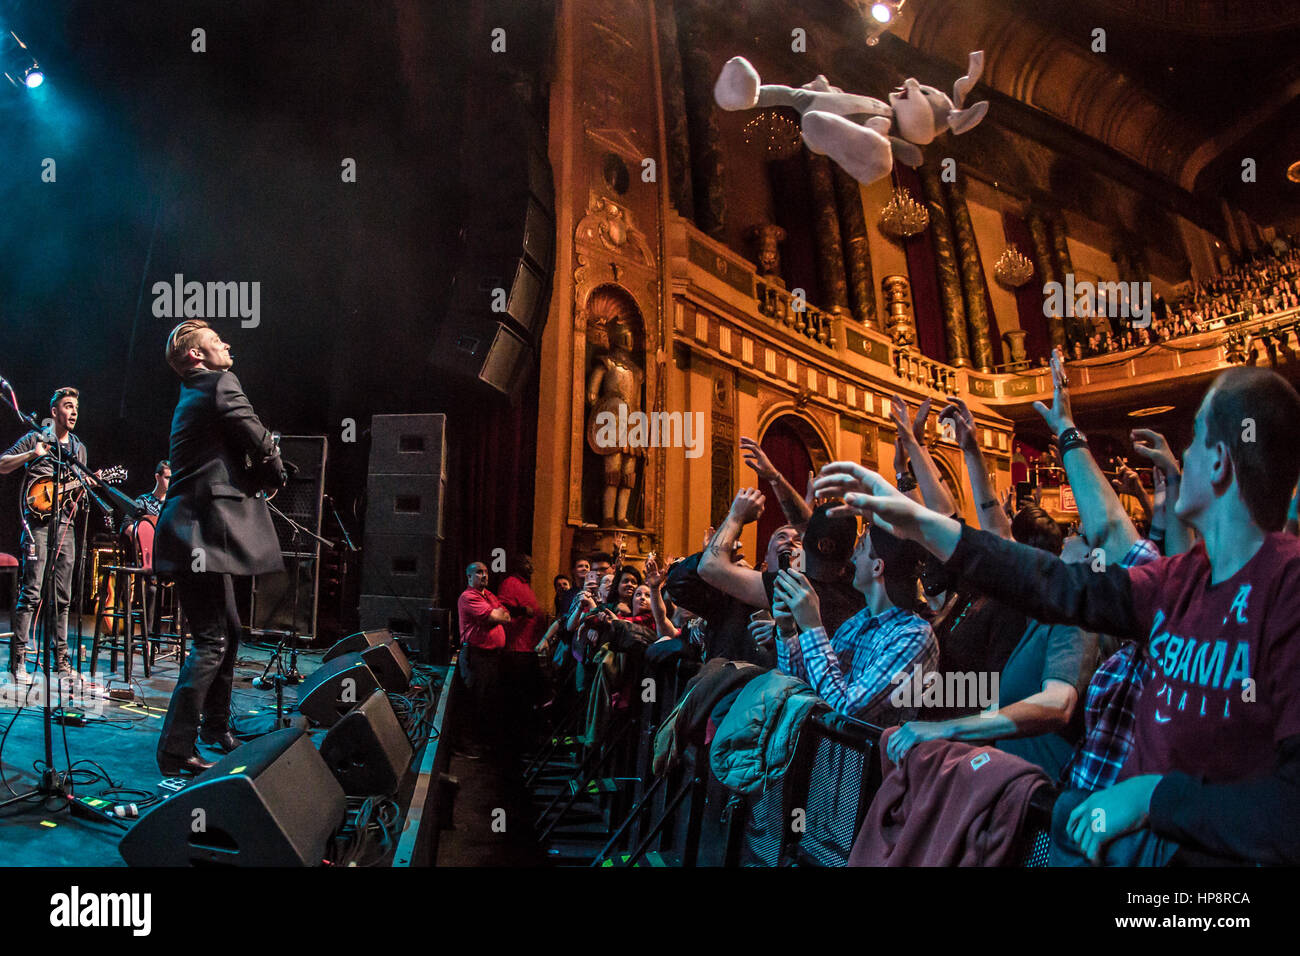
854 130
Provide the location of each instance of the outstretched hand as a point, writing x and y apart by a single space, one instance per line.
748 505
1059 417
1153 446
755 458
866 493
963 423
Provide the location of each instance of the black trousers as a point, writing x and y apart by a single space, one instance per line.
482 719
35 556
203 689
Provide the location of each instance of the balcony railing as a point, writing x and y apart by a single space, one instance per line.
804 319
913 367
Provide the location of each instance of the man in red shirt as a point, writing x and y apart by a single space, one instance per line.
1215 764
523 633
483 641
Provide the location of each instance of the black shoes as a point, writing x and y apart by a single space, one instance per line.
225 742
175 766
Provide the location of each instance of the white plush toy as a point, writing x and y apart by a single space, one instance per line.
854 130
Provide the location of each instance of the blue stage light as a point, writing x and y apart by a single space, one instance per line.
34 78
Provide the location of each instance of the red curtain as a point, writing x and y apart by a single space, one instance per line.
923 273
788 454
1029 297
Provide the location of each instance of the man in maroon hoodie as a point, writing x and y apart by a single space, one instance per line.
1215 764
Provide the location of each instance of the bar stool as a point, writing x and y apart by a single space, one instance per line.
170 622
9 569
130 584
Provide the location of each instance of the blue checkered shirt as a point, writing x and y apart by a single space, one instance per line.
1110 705
855 671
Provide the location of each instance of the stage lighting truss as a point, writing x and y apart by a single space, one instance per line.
878 16
20 67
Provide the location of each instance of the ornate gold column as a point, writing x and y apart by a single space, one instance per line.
945 255
1042 253
826 225
857 254
1064 267
972 278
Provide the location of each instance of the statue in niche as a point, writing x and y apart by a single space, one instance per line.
614 389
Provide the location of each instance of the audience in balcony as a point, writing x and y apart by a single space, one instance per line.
1266 284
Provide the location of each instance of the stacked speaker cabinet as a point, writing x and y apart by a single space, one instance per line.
406 491
502 286
275 606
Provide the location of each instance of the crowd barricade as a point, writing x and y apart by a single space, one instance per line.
685 817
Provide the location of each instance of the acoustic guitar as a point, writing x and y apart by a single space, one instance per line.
39 496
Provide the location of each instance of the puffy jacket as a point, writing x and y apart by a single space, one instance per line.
759 735
685 724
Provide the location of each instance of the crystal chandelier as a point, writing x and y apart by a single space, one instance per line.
1013 268
903 216
775 132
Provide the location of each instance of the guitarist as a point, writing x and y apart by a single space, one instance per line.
33 451
214 524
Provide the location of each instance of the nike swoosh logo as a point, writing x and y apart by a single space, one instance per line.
1162 720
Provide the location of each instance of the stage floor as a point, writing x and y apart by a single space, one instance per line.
117 742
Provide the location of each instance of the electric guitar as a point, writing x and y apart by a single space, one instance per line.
39 496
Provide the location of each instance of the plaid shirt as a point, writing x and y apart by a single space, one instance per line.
855 671
1112 700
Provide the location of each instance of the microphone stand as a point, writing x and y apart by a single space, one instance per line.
292 675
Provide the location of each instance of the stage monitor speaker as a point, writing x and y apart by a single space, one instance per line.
408 445
272 802
335 688
404 565
409 619
367 750
475 347
302 497
390 665
356 643
404 505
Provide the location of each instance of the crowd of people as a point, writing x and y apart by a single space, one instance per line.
1265 284
1151 678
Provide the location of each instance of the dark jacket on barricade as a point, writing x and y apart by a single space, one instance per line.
758 738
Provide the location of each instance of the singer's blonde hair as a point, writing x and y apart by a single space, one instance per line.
183 338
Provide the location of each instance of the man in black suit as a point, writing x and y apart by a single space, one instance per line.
214 524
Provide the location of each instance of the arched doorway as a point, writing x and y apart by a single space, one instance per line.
795 448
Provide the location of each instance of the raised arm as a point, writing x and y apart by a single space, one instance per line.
654 579
716 566
1179 536
992 517
1105 522
912 432
1034 581
796 509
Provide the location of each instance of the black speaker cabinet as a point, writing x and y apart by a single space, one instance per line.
408 445
335 688
356 643
271 802
389 664
367 750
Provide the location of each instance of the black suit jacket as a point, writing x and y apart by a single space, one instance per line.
222 460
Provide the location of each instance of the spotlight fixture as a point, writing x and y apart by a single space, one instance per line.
20 67
878 17
1293 172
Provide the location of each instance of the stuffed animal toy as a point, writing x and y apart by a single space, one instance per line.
853 130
